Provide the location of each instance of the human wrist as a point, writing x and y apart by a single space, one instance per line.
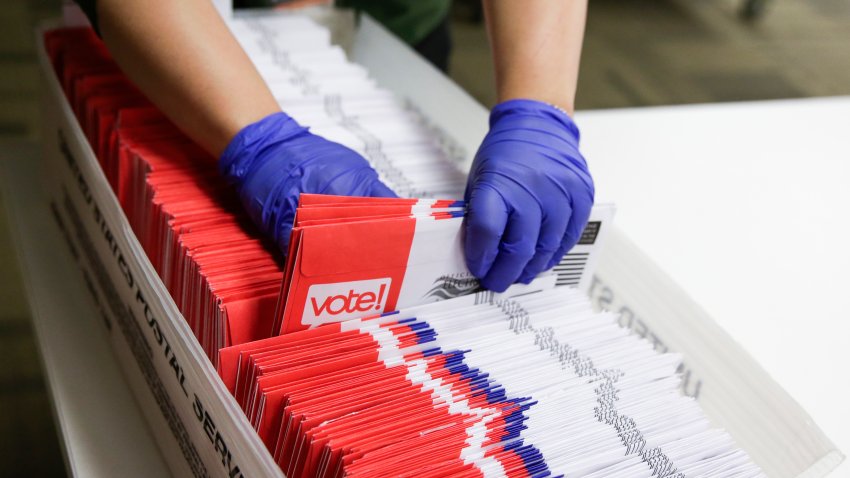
550 94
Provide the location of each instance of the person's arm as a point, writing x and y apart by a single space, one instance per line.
529 191
184 58
536 48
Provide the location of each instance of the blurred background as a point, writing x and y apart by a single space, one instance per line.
636 53
663 52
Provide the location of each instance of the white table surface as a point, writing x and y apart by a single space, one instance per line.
102 430
745 205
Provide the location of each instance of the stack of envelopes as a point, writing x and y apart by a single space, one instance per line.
223 277
483 385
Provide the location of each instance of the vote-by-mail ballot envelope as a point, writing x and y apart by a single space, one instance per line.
358 266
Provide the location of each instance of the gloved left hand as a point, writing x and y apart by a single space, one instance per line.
271 162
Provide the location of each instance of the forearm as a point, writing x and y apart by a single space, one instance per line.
184 58
536 48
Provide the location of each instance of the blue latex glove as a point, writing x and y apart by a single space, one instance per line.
272 161
529 194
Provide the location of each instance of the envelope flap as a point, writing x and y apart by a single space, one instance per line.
356 247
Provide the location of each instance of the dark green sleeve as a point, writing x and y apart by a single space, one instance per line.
411 20
89 7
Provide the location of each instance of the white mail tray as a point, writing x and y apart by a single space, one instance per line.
201 430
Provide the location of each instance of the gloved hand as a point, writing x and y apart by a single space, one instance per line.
272 161
529 194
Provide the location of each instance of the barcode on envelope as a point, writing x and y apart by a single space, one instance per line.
571 268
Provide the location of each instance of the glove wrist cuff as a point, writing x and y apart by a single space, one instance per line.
534 108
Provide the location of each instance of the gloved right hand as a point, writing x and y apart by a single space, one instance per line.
529 194
271 162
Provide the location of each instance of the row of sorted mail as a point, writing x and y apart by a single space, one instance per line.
368 349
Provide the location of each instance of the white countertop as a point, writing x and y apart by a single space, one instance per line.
745 206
